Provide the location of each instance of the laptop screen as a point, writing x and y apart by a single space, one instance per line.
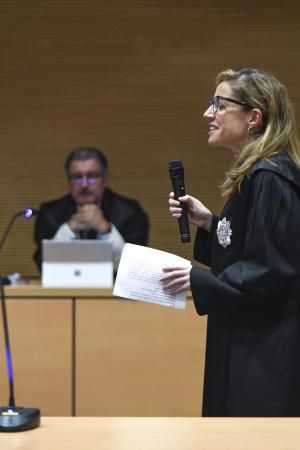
78 263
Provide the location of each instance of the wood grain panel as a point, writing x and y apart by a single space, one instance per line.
137 359
40 336
132 77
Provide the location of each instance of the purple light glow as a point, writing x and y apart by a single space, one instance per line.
29 212
9 363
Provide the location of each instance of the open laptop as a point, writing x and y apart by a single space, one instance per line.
78 263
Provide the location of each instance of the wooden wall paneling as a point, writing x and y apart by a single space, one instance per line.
137 359
133 78
40 338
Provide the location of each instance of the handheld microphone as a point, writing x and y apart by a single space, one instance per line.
12 417
176 172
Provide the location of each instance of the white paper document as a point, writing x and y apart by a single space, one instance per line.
139 272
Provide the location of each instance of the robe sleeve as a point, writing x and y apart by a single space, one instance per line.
203 242
270 262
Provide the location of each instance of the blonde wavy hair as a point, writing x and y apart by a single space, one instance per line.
263 91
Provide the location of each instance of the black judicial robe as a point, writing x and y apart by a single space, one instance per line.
251 295
125 213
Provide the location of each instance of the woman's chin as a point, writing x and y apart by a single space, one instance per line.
212 140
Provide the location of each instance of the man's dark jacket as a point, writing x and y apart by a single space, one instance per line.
126 214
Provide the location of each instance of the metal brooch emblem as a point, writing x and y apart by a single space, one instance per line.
224 232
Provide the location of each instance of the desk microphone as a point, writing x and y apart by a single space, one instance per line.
176 172
12 417
28 212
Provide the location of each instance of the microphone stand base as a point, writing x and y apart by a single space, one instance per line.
18 418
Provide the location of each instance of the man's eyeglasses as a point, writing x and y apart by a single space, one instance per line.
215 102
90 178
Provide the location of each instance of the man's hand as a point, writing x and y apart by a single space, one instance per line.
88 217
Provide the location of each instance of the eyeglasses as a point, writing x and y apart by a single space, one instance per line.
215 102
91 178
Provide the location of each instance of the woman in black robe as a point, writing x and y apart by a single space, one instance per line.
251 288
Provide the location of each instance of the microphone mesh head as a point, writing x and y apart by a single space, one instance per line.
175 167
175 164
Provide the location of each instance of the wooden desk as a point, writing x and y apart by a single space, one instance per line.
84 352
108 433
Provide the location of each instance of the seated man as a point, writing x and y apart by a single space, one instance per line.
91 210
